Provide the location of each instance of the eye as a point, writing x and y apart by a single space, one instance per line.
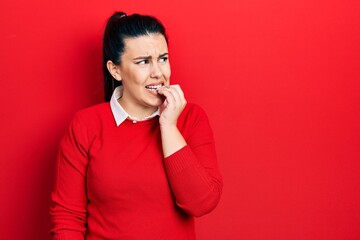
163 59
143 62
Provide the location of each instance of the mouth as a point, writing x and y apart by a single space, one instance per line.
154 88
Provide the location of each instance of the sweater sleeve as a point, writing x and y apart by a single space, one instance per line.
193 172
68 199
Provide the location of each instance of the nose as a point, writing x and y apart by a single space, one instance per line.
155 70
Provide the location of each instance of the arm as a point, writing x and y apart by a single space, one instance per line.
191 164
68 199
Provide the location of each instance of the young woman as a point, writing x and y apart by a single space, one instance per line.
142 165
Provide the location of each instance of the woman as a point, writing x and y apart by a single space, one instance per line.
143 165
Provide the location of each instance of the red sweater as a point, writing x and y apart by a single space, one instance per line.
112 182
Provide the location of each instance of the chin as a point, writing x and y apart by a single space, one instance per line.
156 102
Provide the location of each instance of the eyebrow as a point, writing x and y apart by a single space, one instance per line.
149 57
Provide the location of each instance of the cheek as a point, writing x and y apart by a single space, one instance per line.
166 71
139 76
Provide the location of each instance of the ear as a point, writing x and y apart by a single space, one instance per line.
114 70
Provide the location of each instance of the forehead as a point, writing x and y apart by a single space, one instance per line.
146 45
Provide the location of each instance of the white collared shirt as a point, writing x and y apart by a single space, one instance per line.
119 112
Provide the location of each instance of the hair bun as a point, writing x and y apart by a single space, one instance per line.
120 14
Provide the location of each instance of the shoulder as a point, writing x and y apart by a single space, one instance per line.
100 108
193 114
194 124
94 112
93 116
88 122
193 110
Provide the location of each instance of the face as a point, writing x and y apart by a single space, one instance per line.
144 68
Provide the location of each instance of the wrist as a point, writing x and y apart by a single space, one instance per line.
168 126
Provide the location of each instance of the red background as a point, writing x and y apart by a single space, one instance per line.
279 80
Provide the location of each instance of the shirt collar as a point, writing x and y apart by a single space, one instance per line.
119 113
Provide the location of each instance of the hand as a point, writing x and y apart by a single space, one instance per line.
170 110
173 105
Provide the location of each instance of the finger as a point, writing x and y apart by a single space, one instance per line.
176 96
179 94
167 92
178 89
162 89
